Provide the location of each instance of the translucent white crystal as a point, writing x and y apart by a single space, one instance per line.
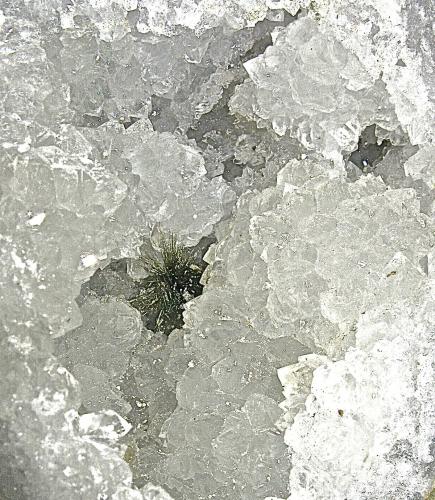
166 17
151 492
391 40
296 380
115 119
368 422
311 234
98 352
174 191
68 203
308 256
125 493
420 166
40 424
109 16
225 413
308 84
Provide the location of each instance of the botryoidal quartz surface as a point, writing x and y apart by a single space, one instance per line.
305 370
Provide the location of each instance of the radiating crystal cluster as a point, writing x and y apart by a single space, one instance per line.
230 122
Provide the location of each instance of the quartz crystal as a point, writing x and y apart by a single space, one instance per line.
308 84
194 204
288 144
369 418
299 281
393 40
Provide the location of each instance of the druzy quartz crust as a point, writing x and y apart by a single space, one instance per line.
217 250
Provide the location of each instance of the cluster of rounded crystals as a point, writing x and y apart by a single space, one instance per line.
309 85
195 203
49 448
362 426
393 40
200 15
366 427
168 18
369 417
72 197
309 259
344 66
311 254
97 353
313 261
70 202
339 249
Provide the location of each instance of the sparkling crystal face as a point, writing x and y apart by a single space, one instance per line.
216 240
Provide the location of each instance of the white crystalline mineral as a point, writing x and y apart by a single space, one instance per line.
216 120
393 40
68 202
307 257
151 492
296 380
109 17
337 255
367 425
109 331
277 214
97 353
175 192
165 17
221 439
44 440
420 166
310 85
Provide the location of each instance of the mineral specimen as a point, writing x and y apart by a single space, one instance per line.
370 417
307 83
172 279
287 142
